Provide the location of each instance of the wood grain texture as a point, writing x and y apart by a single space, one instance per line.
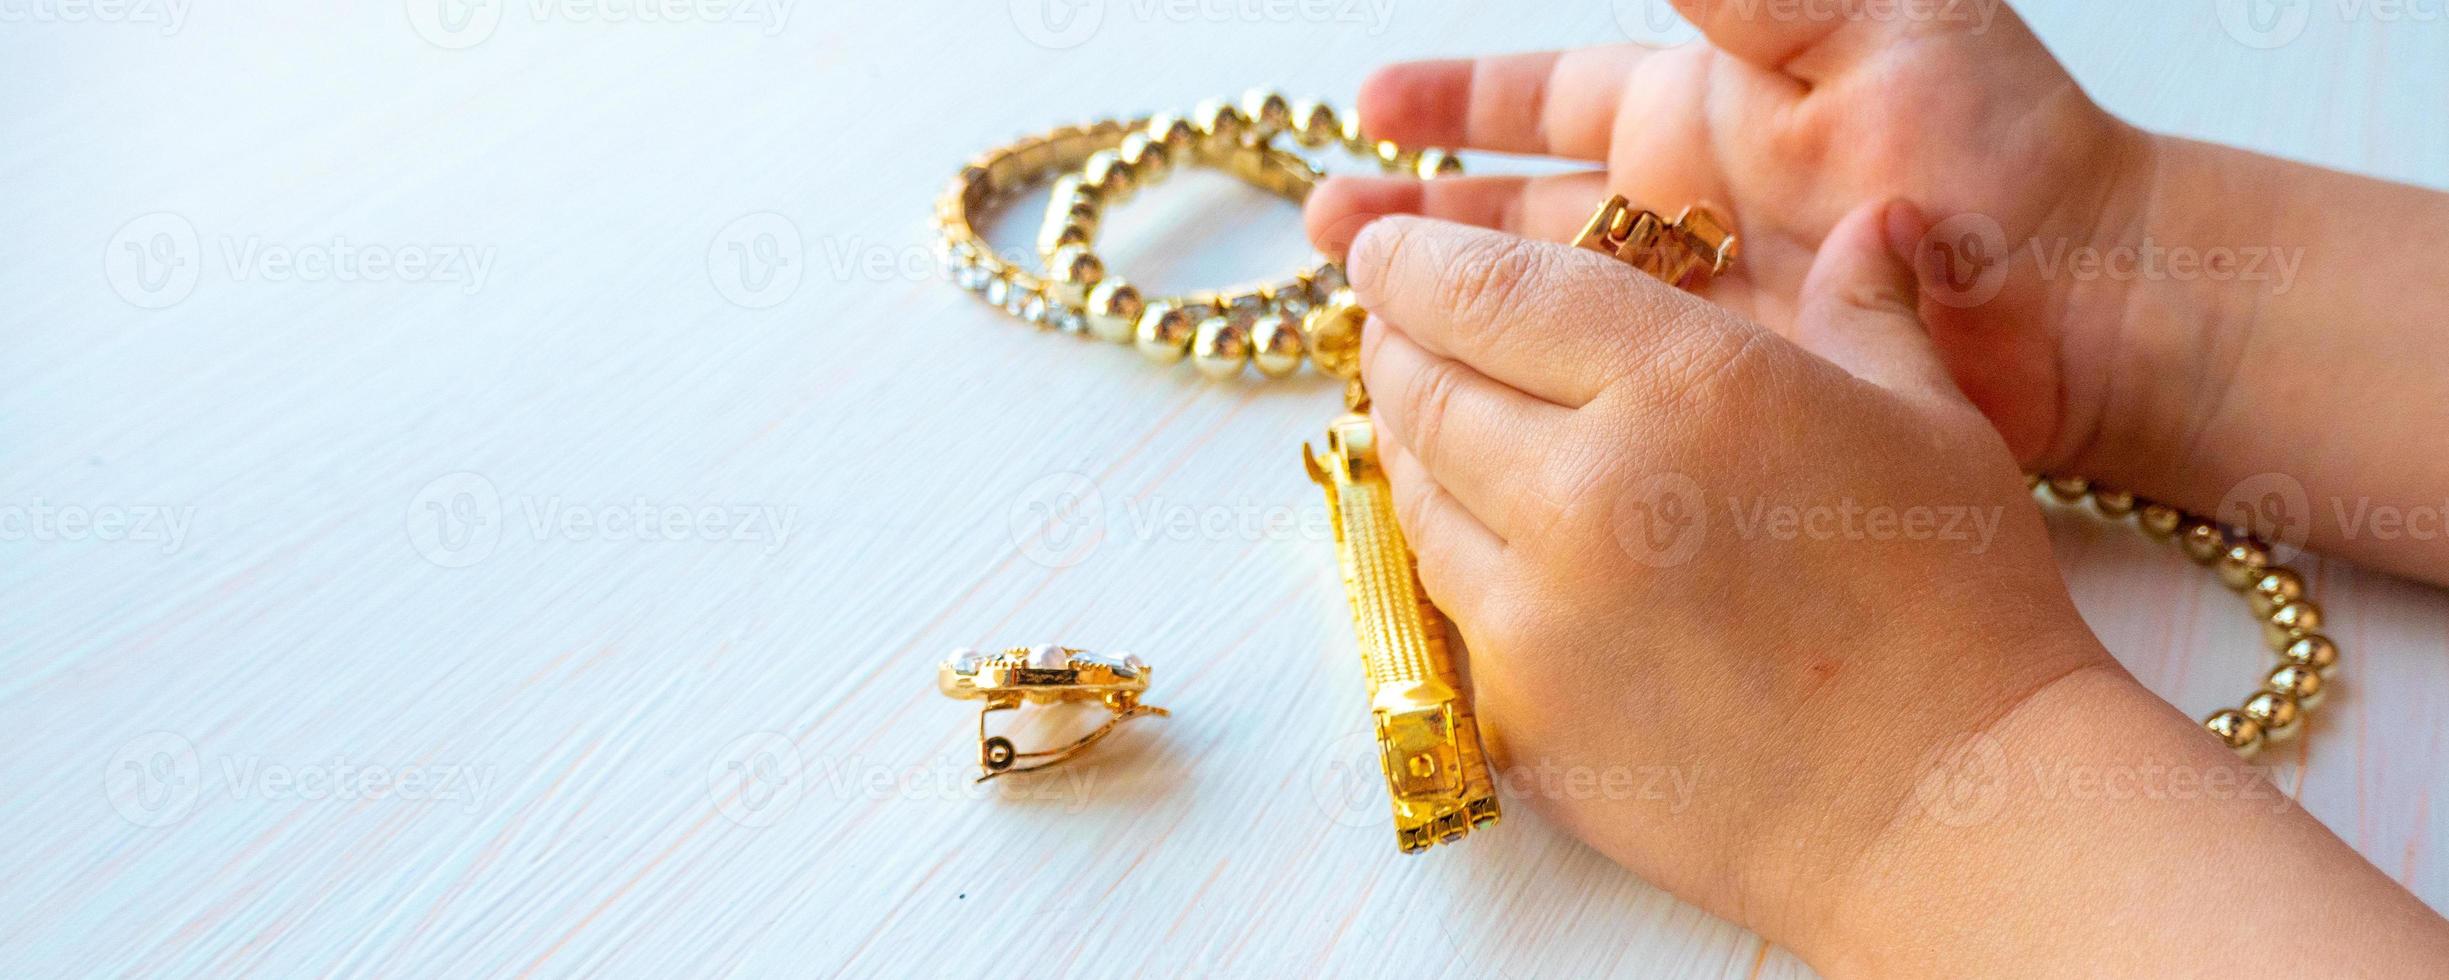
685 752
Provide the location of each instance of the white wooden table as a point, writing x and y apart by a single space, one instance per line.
487 487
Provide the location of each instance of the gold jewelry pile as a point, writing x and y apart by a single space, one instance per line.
1436 772
1429 744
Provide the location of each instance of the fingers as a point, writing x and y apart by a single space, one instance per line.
1556 103
1860 304
1813 42
1457 554
1478 439
1553 321
1752 33
1549 207
1809 44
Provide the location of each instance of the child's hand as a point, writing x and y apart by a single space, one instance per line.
1789 126
1672 539
2189 377
1806 580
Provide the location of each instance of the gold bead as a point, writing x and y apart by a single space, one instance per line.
1085 216
1332 330
2277 587
1063 205
2277 713
2242 564
1275 346
1164 333
2312 650
1268 111
1107 176
1114 308
1179 136
2069 489
1069 192
1064 236
2201 540
1221 347
1073 271
1436 163
2290 621
1246 307
1149 160
1314 123
2112 504
1395 159
1353 139
2159 520
1221 126
2303 684
2241 733
2032 480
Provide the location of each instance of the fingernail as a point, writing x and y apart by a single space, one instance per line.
1337 238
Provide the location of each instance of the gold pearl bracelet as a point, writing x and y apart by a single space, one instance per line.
2291 622
1273 325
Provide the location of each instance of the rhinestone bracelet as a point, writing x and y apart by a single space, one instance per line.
1273 325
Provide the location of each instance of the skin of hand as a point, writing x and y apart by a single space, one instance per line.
2187 388
1674 540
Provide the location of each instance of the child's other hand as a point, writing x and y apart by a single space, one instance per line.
1673 539
1790 124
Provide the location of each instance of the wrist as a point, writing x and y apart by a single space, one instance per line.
1919 865
2116 326
2097 830
2149 328
1824 838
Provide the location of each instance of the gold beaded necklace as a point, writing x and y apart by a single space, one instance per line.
1430 750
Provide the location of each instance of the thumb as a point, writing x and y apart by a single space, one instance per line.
1860 306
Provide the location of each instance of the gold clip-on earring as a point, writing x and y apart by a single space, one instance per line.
1043 675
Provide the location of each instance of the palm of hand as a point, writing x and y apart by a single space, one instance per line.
1983 132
